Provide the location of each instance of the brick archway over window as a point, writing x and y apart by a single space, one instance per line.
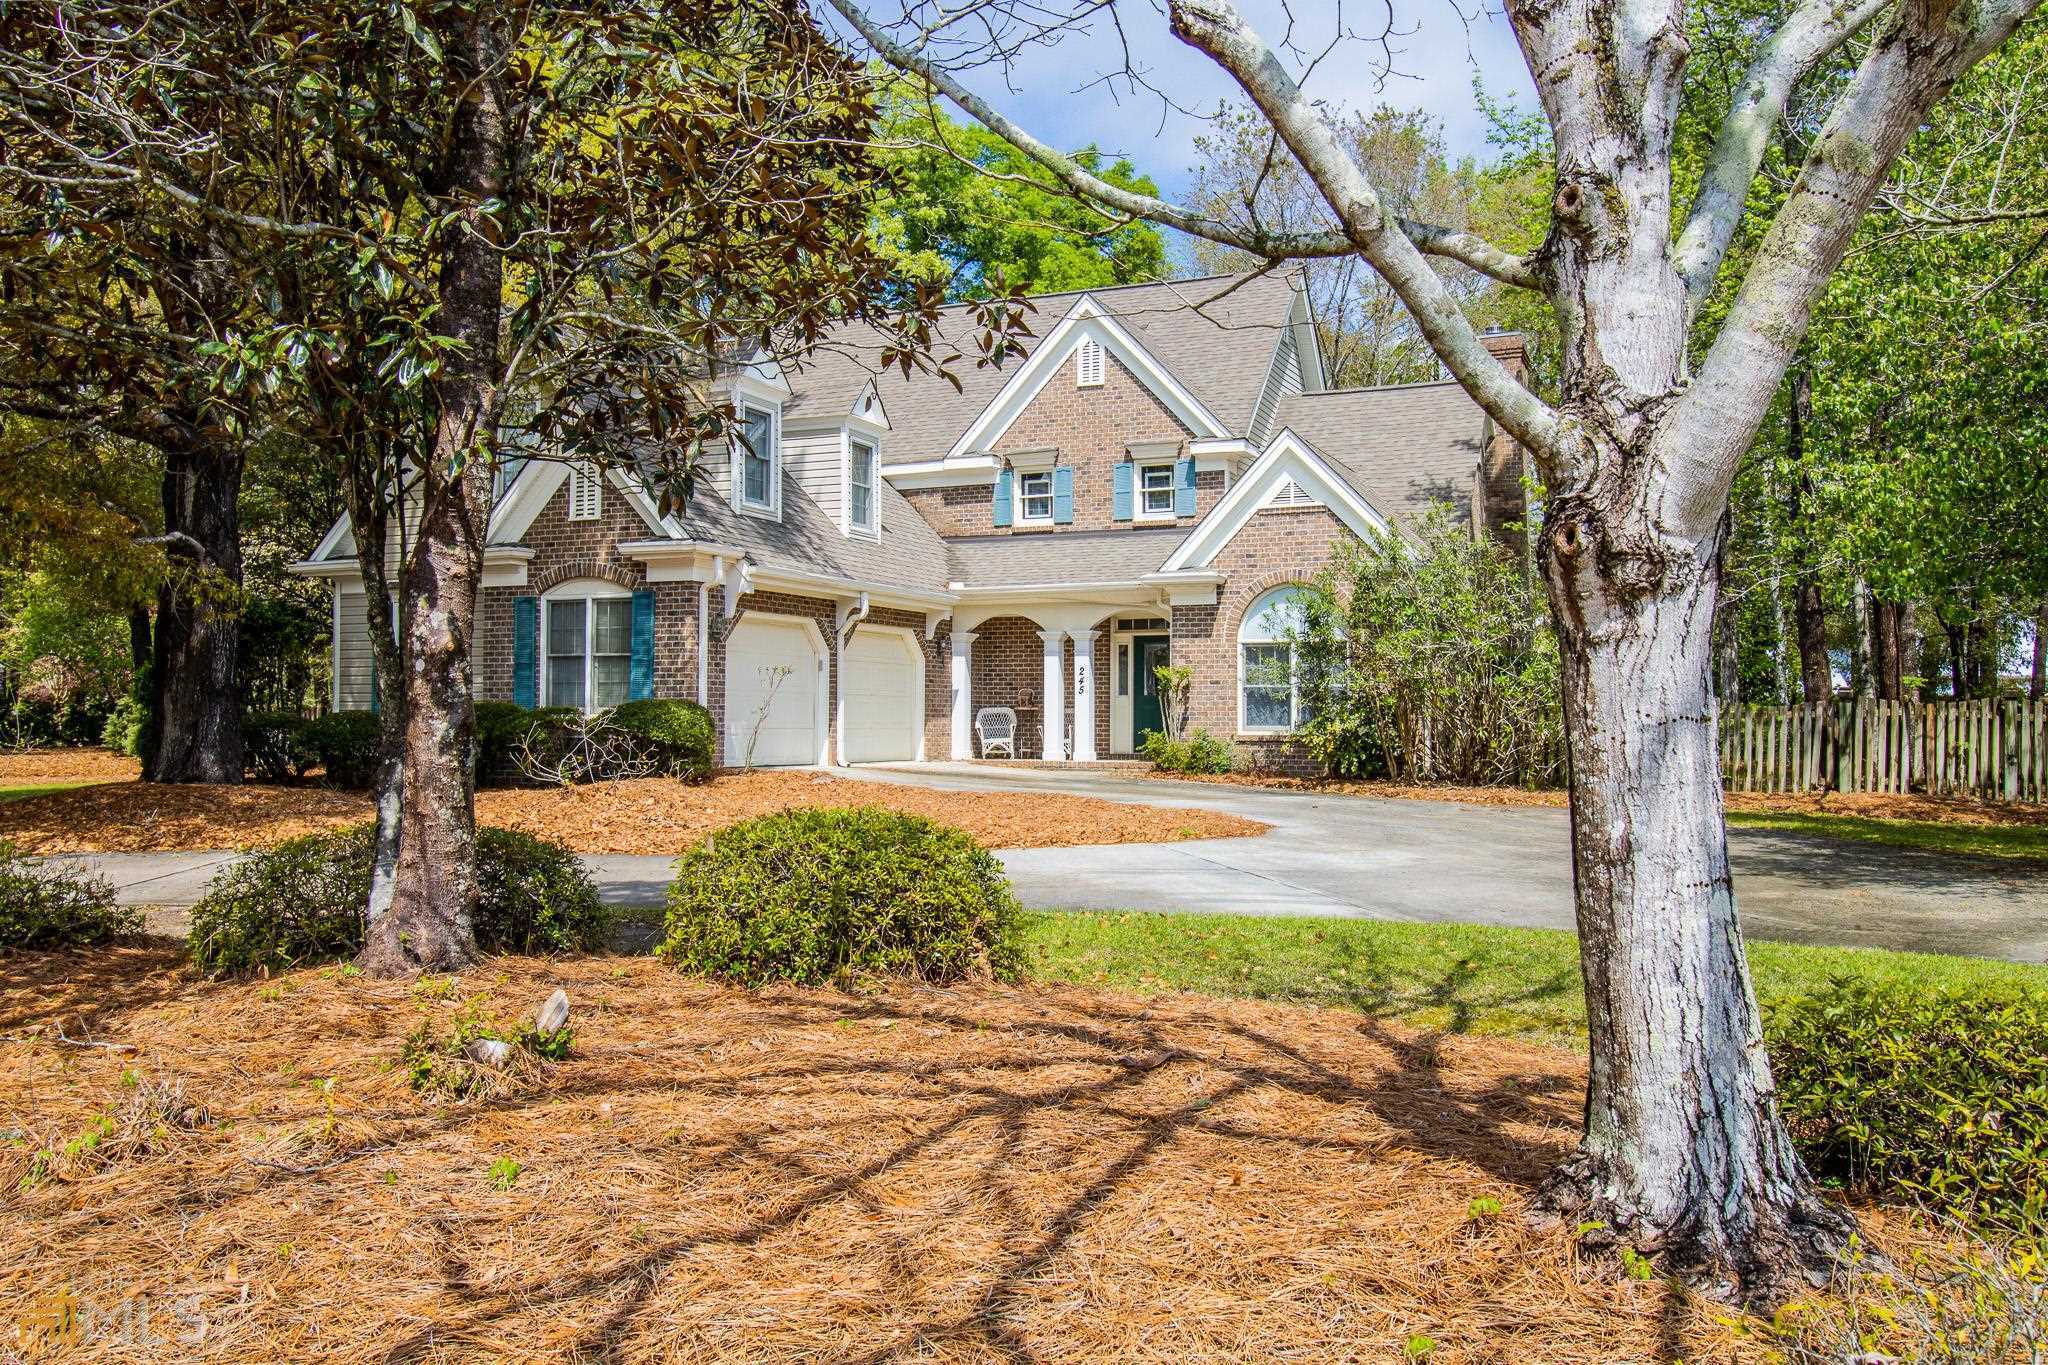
1238 596
586 566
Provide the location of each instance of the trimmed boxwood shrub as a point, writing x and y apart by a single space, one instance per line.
48 905
1940 1094
302 901
676 733
277 745
802 895
347 744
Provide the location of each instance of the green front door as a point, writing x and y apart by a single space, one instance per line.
1150 653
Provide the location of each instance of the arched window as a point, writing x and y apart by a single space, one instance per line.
1268 672
587 639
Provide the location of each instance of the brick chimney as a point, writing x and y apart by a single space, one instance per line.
1502 500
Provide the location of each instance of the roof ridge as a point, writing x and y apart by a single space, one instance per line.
1114 288
1379 388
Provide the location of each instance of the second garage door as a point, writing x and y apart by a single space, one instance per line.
772 694
884 691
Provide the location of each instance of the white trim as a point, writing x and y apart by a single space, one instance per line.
736 462
1085 319
535 487
1123 718
1293 725
1018 516
1287 456
917 668
821 717
703 645
586 493
848 526
1091 366
586 591
1138 471
974 469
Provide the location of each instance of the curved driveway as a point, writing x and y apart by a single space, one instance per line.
1440 860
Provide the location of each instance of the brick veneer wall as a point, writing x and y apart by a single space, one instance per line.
1090 428
565 550
1277 545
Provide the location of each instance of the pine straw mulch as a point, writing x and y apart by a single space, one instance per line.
982 1173
1867 805
31 767
648 816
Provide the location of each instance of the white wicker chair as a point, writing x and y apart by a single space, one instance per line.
996 728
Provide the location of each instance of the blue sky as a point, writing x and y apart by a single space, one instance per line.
1058 96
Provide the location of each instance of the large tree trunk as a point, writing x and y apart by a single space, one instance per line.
428 924
1683 1153
195 705
1860 680
1888 648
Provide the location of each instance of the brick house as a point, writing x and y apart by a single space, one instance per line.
1145 486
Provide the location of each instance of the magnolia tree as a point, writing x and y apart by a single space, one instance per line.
1683 1152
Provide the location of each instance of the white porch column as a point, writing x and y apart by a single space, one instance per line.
963 695
1084 694
1055 689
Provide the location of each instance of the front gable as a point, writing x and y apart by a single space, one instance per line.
1054 359
1290 473
542 486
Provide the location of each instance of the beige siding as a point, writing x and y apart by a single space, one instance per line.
1284 379
814 460
352 666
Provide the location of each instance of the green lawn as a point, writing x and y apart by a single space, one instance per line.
1995 841
45 788
1521 983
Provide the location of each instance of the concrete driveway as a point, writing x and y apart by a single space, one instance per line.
1397 860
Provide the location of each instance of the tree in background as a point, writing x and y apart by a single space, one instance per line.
1683 1152
964 208
1245 177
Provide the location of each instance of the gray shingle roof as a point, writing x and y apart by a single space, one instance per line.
1403 447
1220 353
910 554
1060 557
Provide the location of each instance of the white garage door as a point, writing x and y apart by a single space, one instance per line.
884 689
772 691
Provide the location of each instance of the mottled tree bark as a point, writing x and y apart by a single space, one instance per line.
1809 612
2037 680
1888 648
428 924
195 705
141 647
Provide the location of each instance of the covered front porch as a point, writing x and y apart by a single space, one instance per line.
1074 664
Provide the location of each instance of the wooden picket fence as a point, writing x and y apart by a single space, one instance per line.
1992 749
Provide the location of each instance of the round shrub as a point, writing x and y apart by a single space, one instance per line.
1940 1093
805 894
677 734
277 745
302 902
46 905
347 744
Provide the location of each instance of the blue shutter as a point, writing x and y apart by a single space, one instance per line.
1063 495
1004 497
1184 486
525 651
640 676
1121 476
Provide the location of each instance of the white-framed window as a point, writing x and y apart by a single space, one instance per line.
587 640
1268 664
758 475
860 481
1034 496
586 493
1155 490
1088 364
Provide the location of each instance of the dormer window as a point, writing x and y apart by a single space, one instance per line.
1088 364
758 457
861 485
586 494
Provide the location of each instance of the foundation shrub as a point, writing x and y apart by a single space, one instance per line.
347 744
278 746
1941 1094
676 735
46 905
806 895
302 901
1199 752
